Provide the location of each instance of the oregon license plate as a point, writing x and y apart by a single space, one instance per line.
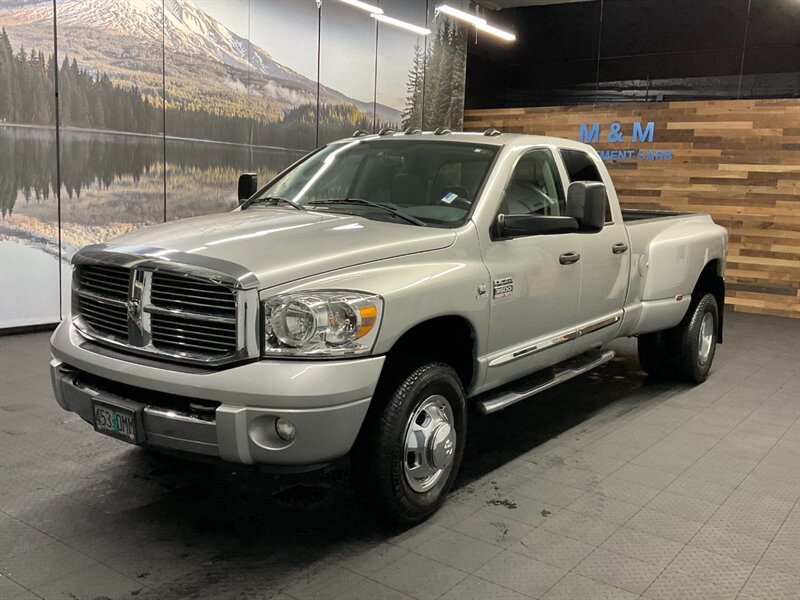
115 421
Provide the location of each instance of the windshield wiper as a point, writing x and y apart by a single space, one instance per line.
274 200
362 202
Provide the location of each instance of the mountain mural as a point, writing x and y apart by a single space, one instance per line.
208 66
161 105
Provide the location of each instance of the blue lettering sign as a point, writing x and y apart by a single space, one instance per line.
639 133
590 135
615 133
645 135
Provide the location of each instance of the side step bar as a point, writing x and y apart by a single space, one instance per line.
539 382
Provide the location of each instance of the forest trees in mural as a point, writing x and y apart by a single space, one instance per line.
94 102
436 81
26 93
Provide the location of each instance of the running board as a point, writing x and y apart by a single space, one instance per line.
539 382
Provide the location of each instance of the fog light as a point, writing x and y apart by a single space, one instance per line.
285 429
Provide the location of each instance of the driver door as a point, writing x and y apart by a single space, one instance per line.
535 281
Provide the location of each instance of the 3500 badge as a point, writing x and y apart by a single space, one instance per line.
502 288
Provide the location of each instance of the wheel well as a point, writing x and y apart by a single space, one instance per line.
712 282
449 339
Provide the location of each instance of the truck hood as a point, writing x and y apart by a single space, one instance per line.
280 245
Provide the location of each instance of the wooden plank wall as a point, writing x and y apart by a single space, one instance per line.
738 160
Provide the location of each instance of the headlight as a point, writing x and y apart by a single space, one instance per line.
322 324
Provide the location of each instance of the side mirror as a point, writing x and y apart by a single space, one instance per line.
586 202
248 185
523 225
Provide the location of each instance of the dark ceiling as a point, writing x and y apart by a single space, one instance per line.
602 50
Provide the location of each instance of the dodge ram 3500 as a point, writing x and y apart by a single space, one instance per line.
367 295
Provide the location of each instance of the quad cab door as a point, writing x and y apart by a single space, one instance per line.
605 261
535 278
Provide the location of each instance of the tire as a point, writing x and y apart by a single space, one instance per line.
695 340
386 469
653 357
687 350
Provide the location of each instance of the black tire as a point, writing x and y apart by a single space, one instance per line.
653 356
690 363
378 457
676 353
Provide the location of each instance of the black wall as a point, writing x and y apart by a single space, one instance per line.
637 50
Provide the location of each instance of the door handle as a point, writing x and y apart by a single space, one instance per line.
569 257
619 248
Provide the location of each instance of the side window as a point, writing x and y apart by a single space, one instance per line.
535 187
581 167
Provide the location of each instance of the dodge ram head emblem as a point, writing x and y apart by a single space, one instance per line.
134 309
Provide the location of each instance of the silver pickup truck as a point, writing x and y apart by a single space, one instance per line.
365 298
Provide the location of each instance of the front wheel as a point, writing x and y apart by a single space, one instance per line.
410 449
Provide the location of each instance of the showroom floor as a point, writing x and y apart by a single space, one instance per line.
612 486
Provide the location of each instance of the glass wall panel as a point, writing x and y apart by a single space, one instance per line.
209 116
401 64
347 73
283 84
30 266
110 88
445 70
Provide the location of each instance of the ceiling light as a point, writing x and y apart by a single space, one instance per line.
401 24
460 14
364 6
506 35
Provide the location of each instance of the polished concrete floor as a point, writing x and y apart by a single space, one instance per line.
611 486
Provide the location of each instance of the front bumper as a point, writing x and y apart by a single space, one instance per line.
325 400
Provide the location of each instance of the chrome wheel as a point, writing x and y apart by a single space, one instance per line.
430 443
705 338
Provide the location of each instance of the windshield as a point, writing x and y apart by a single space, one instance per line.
406 181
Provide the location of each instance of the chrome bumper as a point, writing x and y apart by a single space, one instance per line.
162 428
325 400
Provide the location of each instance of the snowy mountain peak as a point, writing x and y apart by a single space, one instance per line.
184 27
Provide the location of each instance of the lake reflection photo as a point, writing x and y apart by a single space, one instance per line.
111 183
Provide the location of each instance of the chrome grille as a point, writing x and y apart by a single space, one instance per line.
189 313
103 303
105 280
105 318
192 294
164 311
187 333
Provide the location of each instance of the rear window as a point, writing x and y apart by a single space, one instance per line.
580 166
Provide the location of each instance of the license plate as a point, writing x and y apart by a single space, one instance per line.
115 421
